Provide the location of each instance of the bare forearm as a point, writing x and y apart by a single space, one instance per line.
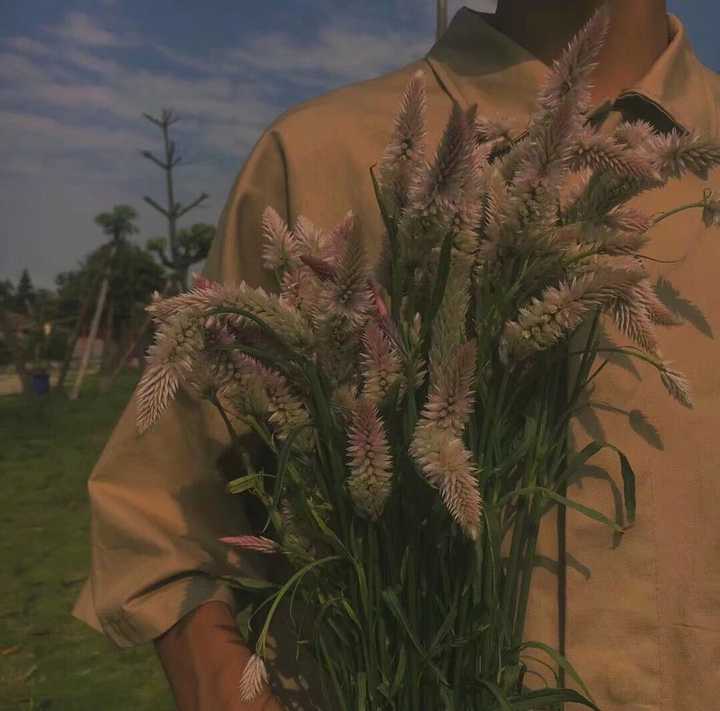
203 657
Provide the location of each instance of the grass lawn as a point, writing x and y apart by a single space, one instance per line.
48 659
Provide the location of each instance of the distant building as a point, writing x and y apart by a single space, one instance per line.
22 324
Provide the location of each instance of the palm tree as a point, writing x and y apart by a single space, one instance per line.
119 225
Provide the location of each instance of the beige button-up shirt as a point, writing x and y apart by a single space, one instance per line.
642 610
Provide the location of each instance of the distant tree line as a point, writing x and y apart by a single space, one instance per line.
109 288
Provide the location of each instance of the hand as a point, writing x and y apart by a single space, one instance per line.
204 656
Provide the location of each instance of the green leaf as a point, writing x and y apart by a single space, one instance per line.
351 614
283 461
467 638
329 667
328 534
384 688
321 621
579 459
278 596
548 697
587 358
391 227
626 470
253 584
329 447
545 664
342 637
263 356
498 694
363 585
443 631
243 484
393 602
591 513
438 291
559 659
507 464
494 547
399 672
628 476
403 567
362 692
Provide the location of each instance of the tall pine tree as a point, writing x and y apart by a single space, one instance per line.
25 296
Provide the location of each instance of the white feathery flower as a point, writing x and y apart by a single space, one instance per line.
313 240
676 384
253 678
448 465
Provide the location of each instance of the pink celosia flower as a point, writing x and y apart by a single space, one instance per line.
201 282
380 363
281 248
259 544
370 463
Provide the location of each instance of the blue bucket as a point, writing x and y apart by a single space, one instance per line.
41 383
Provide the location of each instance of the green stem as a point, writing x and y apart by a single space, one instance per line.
489 607
562 578
245 455
488 419
460 655
627 350
376 646
277 598
262 432
531 543
663 215
511 580
235 438
412 620
328 444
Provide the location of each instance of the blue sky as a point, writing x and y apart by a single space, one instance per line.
76 76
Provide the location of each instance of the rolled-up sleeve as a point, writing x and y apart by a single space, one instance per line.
158 500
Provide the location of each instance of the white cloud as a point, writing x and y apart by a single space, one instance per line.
340 54
73 122
89 62
25 129
16 68
231 99
81 29
27 44
199 65
118 93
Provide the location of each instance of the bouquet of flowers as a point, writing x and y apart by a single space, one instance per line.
416 408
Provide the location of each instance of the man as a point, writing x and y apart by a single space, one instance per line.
641 625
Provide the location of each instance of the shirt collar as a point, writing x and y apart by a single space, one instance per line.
474 62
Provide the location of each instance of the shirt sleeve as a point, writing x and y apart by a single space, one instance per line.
158 500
